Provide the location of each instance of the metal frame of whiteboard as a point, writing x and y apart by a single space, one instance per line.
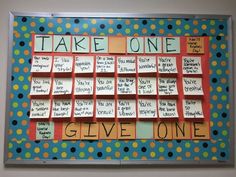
118 162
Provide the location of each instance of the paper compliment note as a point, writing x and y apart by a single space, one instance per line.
44 130
40 86
167 109
62 86
83 86
126 108
126 85
147 86
62 64
147 64
61 108
167 65
105 108
147 108
41 64
105 86
191 65
84 64
192 86
83 108
40 108
105 64
126 64
192 109
167 86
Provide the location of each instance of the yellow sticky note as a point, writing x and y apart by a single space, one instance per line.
89 130
195 45
200 130
162 130
126 130
117 44
107 130
70 130
181 130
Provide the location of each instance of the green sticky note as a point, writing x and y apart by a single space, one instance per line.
135 45
44 130
80 44
153 45
144 130
171 45
61 43
99 44
43 43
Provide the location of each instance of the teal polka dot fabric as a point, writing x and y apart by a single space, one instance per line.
19 147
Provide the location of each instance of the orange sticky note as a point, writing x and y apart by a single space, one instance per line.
200 130
126 130
162 130
70 130
107 130
195 45
181 130
89 130
117 44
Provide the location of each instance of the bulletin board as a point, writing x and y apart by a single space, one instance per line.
119 89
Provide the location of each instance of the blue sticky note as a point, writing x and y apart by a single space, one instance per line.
171 45
80 44
61 43
99 44
144 130
43 43
153 45
135 45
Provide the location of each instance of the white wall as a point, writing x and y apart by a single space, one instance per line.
132 6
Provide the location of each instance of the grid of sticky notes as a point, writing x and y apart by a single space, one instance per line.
120 80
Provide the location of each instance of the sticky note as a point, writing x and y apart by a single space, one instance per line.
40 86
43 43
83 108
107 130
126 130
167 86
144 130
147 86
84 64
192 108
167 65
192 86
44 130
167 108
181 130
200 130
70 131
105 64
61 43
153 45
126 85
163 130
62 86
89 130
126 108
147 108
191 65
40 108
105 108
195 45
135 45
83 86
62 64
126 65
171 45
105 86
61 108
41 64
147 64
99 44
80 44
117 44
